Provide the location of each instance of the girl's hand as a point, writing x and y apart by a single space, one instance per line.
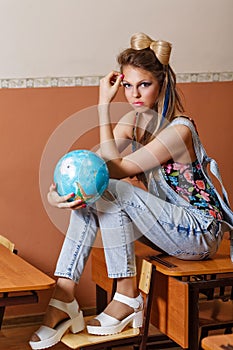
61 201
109 85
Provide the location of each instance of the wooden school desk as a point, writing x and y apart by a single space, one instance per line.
21 278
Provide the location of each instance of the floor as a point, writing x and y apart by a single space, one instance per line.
16 338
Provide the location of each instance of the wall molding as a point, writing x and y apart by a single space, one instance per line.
13 83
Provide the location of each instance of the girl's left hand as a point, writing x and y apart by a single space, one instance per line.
109 85
62 201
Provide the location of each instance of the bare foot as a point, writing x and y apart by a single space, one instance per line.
64 291
52 318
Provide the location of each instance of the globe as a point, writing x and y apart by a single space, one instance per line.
83 173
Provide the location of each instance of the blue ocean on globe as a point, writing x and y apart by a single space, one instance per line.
82 172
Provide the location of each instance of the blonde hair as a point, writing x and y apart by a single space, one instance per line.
161 48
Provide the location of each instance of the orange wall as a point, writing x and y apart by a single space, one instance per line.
29 117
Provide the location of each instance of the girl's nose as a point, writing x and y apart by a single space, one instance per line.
136 92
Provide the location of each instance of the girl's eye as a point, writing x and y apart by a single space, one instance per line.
145 84
142 84
126 85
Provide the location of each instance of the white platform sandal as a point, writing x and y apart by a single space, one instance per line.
110 325
51 336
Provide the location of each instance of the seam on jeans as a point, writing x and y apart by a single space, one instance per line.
78 245
116 275
204 255
66 275
123 235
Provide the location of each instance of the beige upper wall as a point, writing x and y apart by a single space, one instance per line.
41 38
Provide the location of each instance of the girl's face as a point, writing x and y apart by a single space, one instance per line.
141 88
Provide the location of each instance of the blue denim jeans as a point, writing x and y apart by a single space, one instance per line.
123 215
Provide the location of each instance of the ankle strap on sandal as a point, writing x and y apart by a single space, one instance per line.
135 303
69 308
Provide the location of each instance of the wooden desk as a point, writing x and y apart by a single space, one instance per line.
218 264
175 299
218 342
17 275
175 309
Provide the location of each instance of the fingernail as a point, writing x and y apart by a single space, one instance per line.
122 76
72 194
84 205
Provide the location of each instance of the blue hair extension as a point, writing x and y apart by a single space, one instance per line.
165 104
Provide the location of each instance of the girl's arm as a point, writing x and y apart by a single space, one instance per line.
122 132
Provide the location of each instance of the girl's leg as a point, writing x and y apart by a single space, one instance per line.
125 286
80 237
75 251
130 212
125 213
118 240
64 291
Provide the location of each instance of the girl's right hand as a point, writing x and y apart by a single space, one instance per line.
109 85
62 201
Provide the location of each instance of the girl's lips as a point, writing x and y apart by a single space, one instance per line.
138 103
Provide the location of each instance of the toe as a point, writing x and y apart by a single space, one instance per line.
93 322
34 337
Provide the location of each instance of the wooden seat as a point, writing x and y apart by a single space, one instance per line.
218 342
85 340
179 288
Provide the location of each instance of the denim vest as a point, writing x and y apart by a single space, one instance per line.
158 185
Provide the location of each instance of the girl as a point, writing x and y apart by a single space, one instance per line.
180 211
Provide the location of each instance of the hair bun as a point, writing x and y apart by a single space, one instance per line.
140 41
162 49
